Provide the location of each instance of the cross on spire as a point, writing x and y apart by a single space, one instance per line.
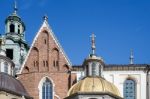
131 57
15 7
93 43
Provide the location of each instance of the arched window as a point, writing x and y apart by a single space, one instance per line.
55 58
93 69
12 28
47 90
19 29
129 89
6 67
35 58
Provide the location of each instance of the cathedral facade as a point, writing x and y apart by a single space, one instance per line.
45 72
46 62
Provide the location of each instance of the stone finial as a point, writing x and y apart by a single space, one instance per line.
45 17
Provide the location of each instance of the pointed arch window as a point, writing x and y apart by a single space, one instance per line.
12 28
47 89
129 89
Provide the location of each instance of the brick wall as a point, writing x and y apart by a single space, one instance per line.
46 60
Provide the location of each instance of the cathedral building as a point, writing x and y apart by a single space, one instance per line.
45 72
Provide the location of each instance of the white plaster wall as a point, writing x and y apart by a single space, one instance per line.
80 74
2 52
16 52
9 44
118 78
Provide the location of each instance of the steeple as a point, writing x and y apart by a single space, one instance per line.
131 57
15 7
14 42
93 43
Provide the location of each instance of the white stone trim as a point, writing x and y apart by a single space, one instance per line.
57 96
131 77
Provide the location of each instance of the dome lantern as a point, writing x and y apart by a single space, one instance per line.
93 64
14 26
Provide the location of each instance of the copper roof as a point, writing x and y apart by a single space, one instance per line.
11 85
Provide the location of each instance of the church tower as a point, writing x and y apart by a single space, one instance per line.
13 41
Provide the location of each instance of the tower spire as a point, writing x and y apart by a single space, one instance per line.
15 7
93 43
131 57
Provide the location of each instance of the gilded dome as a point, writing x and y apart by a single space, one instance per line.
94 84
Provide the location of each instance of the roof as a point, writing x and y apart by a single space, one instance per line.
11 85
16 40
124 67
15 17
116 67
94 85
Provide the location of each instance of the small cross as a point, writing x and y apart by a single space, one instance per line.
93 43
15 7
45 17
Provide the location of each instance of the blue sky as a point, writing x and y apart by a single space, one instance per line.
119 25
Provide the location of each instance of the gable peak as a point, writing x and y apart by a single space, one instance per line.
45 27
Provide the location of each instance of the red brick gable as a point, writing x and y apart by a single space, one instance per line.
46 59
45 55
